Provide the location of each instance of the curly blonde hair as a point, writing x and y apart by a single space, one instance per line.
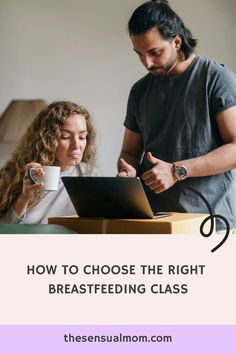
39 144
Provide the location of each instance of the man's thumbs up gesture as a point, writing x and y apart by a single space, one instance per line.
160 177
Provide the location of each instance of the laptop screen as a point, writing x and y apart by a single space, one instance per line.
108 197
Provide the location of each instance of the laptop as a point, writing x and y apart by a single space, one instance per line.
109 197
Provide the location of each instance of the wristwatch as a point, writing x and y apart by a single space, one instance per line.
180 172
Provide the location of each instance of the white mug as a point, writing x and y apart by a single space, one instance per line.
50 178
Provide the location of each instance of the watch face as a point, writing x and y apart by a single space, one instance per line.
180 172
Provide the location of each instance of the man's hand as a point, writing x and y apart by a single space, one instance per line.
160 177
125 169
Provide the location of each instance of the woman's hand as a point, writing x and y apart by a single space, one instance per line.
28 190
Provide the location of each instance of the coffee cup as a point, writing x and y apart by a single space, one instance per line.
50 178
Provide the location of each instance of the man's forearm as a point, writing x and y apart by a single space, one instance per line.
217 161
130 159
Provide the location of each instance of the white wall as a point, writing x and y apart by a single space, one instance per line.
80 50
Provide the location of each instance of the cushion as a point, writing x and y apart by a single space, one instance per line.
6 150
17 117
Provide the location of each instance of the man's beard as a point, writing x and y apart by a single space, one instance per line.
165 69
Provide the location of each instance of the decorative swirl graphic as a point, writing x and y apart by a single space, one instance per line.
211 218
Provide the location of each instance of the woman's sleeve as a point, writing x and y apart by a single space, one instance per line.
10 217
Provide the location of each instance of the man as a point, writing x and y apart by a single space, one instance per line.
180 127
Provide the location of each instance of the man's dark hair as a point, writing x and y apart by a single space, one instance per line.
160 15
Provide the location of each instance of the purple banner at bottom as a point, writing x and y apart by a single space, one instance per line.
158 339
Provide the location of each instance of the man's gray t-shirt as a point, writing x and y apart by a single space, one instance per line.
176 116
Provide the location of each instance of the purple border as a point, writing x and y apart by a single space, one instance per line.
186 339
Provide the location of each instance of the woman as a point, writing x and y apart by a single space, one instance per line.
62 134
